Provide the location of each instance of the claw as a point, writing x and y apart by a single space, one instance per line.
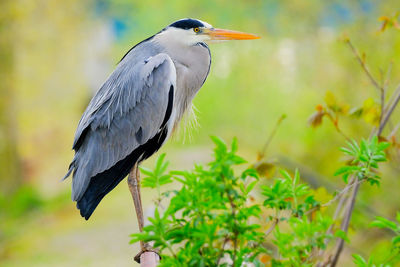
148 255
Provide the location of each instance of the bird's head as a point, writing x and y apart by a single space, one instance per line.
193 31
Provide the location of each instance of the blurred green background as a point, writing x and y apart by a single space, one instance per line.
54 55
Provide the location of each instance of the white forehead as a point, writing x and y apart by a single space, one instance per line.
172 35
206 24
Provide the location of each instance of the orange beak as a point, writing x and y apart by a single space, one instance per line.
222 34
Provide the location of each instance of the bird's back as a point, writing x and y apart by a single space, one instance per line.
139 53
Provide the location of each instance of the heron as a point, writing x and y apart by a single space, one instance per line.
138 107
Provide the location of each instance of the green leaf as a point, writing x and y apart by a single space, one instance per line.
383 223
146 171
234 145
250 173
383 145
347 151
343 235
159 162
359 260
285 174
342 170
237 160
218 142
396 241
296 177
251 186
242 188
165 179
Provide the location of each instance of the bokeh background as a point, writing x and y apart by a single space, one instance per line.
54 55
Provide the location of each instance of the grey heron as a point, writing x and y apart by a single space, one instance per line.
138 106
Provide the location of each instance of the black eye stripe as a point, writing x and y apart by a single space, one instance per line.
187 24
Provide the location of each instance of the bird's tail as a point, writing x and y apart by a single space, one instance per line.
101 184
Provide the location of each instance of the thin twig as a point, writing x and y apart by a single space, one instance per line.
345 224
390 110
384 86
342 200
388 74
382 105
395 93
336 125
393 132
344 191
363 65
221 253
271 136
339 206
272 227
234 248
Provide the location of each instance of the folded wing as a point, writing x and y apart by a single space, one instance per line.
129 114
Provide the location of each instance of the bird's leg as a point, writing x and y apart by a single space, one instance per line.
134 187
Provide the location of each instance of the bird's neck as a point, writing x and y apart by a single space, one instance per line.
192 64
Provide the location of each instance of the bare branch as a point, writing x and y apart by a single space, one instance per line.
235 240
396 92
342 199
345 224
394 131
363 65
384 87
388 73
271 136
272 227
221 253
391 108
344 191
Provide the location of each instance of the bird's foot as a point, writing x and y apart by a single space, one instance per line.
147 248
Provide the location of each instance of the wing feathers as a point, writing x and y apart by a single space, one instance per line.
133 104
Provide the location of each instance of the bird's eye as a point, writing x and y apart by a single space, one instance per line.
196 30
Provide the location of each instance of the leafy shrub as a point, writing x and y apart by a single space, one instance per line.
219 217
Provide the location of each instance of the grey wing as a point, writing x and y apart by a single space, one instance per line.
126 112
